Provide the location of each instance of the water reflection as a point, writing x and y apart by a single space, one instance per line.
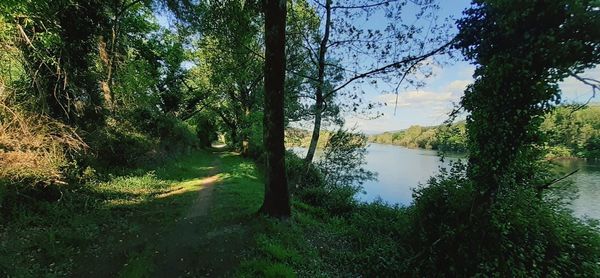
401 169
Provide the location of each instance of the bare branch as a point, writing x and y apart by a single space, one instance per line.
395 65
594 83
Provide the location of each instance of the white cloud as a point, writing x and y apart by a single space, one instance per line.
458 86
416 98
427 107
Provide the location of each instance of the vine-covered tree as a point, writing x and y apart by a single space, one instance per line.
522 50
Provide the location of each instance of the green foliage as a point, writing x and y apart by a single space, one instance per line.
445 138
572 133
343 159
333 181
59 238
296 137
337 200
510 96
300 176
256 147
521 235
122 146
569 131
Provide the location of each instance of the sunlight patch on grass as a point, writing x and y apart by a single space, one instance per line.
192 185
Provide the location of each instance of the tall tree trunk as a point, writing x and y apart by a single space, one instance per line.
277 199
319 90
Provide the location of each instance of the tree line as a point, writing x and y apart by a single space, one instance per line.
570 132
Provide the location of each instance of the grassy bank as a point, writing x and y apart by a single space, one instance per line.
129 225
196 216
138 225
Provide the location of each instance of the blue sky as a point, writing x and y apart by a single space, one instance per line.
431 104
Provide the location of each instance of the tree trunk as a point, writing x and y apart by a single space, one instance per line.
245 137
314 139
277 199
319 91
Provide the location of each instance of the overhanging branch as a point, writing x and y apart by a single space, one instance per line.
391 66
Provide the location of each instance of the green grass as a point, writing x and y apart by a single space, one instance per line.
132 226
93 221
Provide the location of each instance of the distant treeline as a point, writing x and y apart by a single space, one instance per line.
450 138
572 132
297 137
569 132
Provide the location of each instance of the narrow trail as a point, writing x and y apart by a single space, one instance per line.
177 251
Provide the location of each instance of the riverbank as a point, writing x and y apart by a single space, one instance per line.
196 216
552 156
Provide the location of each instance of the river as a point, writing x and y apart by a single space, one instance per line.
401 169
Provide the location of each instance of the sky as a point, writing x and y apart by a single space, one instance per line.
430 105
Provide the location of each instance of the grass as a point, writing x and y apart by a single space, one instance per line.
95 221
135 225
138 224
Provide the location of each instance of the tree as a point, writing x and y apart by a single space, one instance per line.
277 200
522 50
346 52
58 42
227 56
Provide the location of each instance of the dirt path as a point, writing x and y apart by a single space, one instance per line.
170 249
177 251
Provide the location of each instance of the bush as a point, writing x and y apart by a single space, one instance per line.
117 145
174 135
34 156
333 181
256 148
520 236
139 136
343 160
298 175
335 200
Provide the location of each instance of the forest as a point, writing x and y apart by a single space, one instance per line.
151 138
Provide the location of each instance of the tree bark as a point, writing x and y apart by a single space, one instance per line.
245 137
314 140
277 200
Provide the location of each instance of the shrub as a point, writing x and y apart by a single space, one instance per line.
298 175
140 135
335 200
333 181
256 148
343 160
34 155
175 135
520 236
118 145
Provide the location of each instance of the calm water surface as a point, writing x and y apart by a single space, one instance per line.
400 170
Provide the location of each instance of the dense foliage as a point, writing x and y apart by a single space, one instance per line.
103 74
445 138
573 132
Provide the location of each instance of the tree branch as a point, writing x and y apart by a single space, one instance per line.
594 83
394 65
